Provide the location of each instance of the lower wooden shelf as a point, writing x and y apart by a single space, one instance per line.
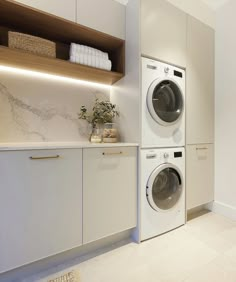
24 60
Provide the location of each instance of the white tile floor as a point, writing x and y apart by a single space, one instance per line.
203 250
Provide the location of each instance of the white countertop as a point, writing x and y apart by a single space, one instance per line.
60 145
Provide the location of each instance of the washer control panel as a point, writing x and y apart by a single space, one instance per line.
165 156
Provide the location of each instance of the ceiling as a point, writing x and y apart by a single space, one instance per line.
213 4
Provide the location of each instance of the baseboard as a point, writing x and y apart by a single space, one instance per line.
197 209
69 258
223 209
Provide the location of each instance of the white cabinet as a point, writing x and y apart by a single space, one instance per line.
199 83
104 15
163 32
40 204
199 114
109 191
199 177
107 16
62 8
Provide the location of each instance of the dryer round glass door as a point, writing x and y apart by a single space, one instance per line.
165 101
164 187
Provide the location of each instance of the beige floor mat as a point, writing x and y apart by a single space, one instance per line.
71 276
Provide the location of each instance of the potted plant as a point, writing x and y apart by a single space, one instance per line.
103 112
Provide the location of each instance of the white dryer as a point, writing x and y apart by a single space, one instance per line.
162 191
163 105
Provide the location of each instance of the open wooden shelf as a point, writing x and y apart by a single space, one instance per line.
21 59
18 17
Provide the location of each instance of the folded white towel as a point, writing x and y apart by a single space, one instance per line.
76 49
92 61
72 49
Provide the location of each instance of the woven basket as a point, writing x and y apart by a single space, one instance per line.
31 44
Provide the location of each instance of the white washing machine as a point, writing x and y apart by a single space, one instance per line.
162 191
163 105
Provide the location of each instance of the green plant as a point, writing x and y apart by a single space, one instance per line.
102 112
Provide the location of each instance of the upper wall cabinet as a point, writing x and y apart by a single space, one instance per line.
163 32
18 17
200 83
104 15
63 8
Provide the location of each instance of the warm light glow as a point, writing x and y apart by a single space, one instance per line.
52 77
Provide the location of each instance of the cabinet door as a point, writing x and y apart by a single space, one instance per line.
163 32
109 191
40 205
64 8
103 15
199 175
200 83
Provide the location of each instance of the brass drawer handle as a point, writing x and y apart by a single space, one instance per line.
45 158
205 148
112 153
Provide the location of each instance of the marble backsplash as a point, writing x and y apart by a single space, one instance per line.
37 109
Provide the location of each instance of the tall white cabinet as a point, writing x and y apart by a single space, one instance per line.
199 114
159 30
200 83
40 205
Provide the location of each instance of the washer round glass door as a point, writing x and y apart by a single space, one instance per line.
165 101
164 187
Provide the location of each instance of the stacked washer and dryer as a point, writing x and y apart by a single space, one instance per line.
162 154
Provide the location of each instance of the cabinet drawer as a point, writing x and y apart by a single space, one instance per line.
40 205
199 175
109 191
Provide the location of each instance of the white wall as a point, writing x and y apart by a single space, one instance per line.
225 111
197 9
125 93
